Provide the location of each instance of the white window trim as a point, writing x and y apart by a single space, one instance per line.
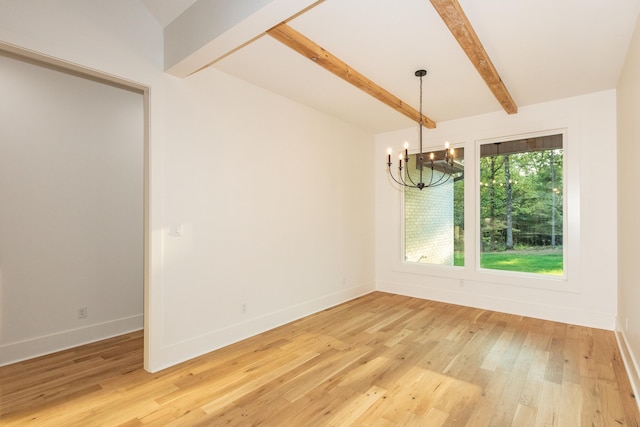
471 271
565 231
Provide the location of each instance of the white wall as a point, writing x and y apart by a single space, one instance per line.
588 295
275 200
276 210
629 208
118 38
71 160
245 174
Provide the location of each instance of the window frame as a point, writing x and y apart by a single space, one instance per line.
471 273
566 241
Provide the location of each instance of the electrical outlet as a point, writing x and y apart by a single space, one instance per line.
244 307
82 312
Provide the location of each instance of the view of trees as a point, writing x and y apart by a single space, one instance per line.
521 206
521 200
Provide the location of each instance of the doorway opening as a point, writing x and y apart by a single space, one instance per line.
60 176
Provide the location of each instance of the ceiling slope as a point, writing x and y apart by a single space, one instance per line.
543 49
307 48
457 22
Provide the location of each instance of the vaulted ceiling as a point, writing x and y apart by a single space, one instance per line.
542 50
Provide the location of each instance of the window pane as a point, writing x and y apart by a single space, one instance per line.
434 216
521 206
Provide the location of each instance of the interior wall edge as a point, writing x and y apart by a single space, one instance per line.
630 361
31 56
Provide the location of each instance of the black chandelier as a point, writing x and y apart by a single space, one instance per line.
443 163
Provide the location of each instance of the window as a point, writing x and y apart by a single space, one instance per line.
434 216
521 205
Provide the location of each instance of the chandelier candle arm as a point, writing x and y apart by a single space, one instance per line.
449 154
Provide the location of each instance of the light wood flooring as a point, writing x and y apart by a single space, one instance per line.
379 360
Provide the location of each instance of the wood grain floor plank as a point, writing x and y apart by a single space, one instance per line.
555 364
549 409
379 360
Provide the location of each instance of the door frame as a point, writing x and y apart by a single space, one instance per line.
39 59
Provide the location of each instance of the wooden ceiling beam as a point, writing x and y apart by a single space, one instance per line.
298 42
454 17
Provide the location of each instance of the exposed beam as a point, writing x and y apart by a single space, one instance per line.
454 17
211 29
325 59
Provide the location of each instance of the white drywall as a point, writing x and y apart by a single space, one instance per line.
588 294
71 220
629 208
275 210
274 200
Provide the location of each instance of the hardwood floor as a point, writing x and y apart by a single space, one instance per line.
380 360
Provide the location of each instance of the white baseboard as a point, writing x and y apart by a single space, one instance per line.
631 362
39 346
505 305
179 352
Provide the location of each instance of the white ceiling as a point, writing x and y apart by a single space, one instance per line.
542 49
166 11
